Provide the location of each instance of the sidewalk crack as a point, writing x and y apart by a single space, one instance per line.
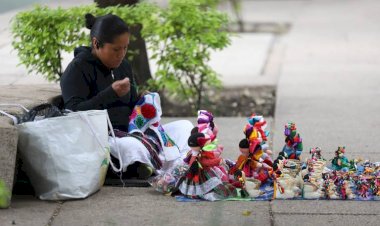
271 216
56 212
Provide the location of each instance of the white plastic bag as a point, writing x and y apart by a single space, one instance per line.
66 157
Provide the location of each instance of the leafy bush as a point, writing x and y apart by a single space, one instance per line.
182 49
180 38
42 34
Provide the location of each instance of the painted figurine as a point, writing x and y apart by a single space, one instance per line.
293 142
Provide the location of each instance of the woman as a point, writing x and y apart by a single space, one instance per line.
99 77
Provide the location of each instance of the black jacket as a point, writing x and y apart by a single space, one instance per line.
86 85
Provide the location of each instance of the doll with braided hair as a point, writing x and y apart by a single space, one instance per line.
259 124
206 178
251 161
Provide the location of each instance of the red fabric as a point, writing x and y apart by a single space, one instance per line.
148 111
263 177
253 145
210 162
236 184
269 162
202 141
208 154
196 179
292 156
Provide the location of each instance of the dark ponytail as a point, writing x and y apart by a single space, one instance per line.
90 20
105 28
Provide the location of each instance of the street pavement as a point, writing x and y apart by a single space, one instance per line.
327 76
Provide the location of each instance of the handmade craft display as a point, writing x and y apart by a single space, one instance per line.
205 175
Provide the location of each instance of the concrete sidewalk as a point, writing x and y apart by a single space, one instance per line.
328 85
330 77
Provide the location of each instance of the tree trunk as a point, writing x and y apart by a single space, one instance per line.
140 63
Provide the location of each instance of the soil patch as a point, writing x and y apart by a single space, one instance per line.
228 102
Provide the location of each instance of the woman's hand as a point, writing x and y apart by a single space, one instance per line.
121 87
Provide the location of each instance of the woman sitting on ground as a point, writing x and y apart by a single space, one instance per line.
99 77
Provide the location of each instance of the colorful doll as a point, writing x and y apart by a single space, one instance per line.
362 187
313 166
212 151
260 124
252 159
309 171
205 178
326 185
354 164
144 125
368 168
342 188
329 188
376 190
293 142
340 162
278 166
316 154
240 183
248 161
256 136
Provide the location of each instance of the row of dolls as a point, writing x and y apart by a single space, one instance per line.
342 179
206 175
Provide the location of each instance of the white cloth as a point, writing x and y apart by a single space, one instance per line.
132 150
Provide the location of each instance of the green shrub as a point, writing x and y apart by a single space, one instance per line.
182 49
180 38
42 34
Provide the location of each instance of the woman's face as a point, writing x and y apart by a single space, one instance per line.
112 54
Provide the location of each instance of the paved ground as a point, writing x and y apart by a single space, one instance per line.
327 76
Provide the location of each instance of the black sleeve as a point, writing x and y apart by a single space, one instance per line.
75 88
